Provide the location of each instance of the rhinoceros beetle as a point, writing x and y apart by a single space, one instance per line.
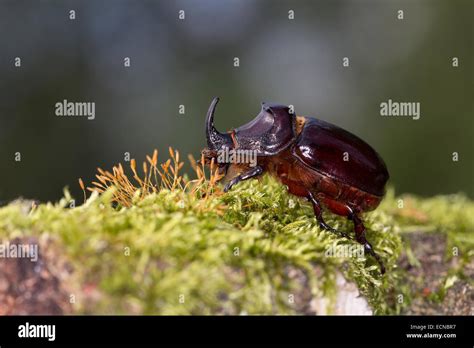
316 160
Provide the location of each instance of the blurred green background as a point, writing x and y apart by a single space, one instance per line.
187 62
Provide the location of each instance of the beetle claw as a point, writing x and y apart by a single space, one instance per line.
229 185
369 250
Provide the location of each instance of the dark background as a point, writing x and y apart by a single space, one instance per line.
189 61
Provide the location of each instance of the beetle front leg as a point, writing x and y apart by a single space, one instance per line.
359 229
255 171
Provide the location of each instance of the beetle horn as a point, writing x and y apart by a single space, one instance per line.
215 139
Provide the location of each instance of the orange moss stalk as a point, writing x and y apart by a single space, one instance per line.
155 177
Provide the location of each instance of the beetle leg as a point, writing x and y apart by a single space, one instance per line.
359 229
318 212
255 171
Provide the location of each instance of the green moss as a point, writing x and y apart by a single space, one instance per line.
246 251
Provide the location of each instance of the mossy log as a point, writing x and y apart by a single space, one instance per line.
254 250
